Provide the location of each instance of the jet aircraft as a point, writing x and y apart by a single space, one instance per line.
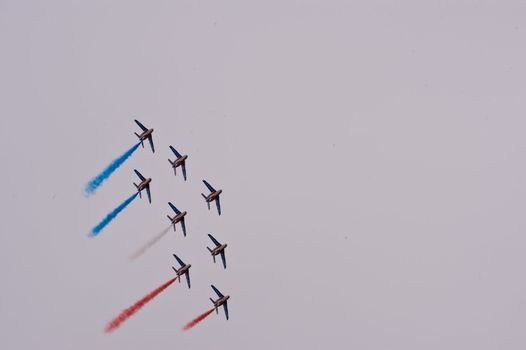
213 196
145 184
179 217
179 161
183 270
218 249
146 134
222 300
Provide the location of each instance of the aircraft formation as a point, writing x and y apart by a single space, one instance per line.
178 219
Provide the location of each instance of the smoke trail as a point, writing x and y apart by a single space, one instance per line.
92 186
96 230
154 240
198 319
117 321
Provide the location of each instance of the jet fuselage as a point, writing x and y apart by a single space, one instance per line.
212 196
179 161
217 250
178 217
221 301
183 270
145 134
143 184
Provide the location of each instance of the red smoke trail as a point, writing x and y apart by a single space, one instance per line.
116 322
198 319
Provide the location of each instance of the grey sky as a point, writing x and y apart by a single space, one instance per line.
371 156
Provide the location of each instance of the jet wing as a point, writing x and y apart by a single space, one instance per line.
174 208
149 194
184 170
225 306
210 188
214 240
184 226
175 152
223 258
139 175
140 125
188 278
179 260
217 291
218 205
150 138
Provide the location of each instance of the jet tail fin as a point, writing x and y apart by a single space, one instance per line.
213 256
173 166
215 307
172 220
140 196
139 136
207 202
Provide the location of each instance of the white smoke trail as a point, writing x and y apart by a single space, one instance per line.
148 245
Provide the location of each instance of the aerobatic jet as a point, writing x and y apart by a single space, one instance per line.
213 196
145 184
183 270
222 300
146 134
179 217
219 249
179 161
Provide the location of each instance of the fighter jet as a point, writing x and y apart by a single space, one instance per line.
146 134
213 196
180 160
222 300
145 184
179 217
219 249
183 270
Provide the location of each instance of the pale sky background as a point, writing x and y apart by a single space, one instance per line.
371 155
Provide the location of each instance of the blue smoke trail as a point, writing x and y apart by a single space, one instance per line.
92 186
96 230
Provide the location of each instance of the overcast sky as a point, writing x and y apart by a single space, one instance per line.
371 156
